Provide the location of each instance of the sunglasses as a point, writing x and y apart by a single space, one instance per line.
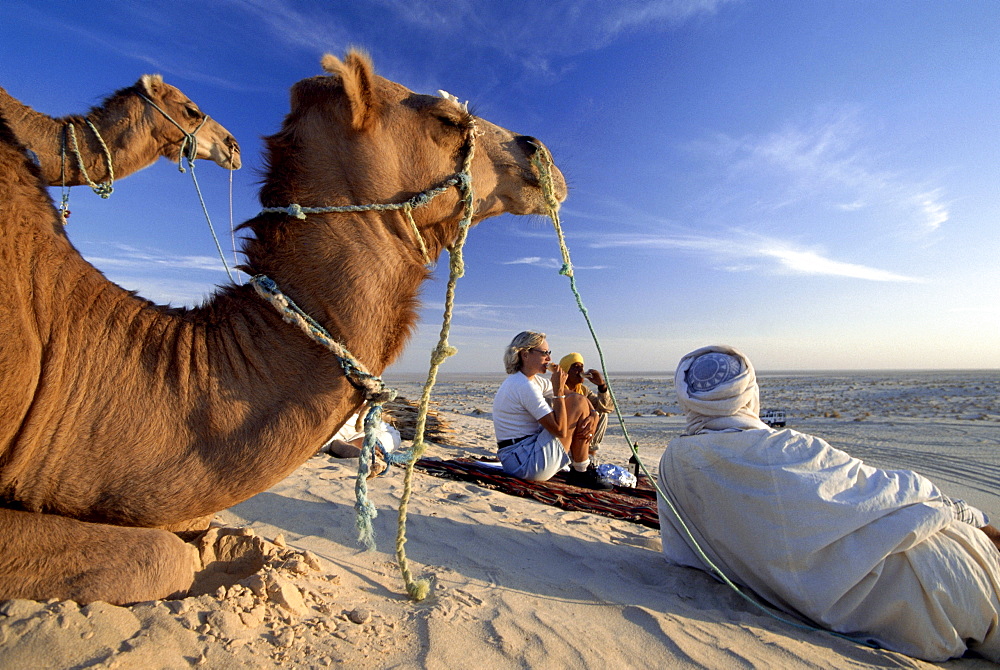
543 352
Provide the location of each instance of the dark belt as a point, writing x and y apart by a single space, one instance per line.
506 443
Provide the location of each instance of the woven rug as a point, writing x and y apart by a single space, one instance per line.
637 505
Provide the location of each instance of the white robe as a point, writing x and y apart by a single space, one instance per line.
871 553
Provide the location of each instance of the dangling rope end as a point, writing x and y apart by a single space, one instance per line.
366 512
419 589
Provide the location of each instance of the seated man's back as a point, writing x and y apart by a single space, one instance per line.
871 553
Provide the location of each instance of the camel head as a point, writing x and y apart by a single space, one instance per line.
215 143
353 137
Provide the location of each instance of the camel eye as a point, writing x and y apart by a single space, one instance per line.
448 121
192 112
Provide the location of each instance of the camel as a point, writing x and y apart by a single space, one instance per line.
135 132
121 419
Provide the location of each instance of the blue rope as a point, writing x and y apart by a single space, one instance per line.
188 151
365 510
208 218
462 180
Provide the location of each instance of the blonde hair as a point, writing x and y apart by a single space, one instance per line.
522 342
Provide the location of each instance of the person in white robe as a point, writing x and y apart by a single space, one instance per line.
879 555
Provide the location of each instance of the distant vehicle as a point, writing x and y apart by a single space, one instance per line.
773 417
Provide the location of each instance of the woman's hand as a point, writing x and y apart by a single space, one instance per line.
558 380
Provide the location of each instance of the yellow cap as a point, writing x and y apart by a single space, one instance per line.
566 362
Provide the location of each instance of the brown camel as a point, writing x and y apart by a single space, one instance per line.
134 131
119 417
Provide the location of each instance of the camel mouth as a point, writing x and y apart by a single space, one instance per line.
557 183
228 158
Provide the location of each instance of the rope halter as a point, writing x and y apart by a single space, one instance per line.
376 393
189 143
104 189
188 149
462 180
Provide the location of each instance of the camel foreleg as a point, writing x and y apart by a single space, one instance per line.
45 556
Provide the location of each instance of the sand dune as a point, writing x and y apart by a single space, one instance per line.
515 583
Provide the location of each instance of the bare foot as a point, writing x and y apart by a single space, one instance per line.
993 534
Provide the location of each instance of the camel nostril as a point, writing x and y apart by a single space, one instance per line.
528 144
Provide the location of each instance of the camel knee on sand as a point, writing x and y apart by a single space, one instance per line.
162 566
45 556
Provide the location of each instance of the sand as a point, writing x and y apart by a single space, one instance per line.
516 583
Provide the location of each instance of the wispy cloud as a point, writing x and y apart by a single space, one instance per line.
536 261
828 163
164 290
126 257
625 15
550 263
741 252
809 262
312 29
935 212
538 32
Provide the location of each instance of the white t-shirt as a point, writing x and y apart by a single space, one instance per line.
519 404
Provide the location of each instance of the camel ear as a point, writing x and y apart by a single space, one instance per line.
152 84
357 76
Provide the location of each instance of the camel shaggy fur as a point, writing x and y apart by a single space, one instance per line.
135 132
119 417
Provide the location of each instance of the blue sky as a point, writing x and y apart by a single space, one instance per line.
815 183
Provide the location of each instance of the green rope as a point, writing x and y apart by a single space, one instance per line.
418 590
459 180
375 393
366 511
543 162
104 189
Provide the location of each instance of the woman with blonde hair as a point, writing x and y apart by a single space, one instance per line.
540 428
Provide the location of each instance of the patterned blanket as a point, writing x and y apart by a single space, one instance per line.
637 505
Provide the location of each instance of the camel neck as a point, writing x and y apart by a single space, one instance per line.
39 133
65 163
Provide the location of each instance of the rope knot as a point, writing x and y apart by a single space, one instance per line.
442 352
296 211
265 282
419 200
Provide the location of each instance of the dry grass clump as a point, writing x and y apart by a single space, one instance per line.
402 413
